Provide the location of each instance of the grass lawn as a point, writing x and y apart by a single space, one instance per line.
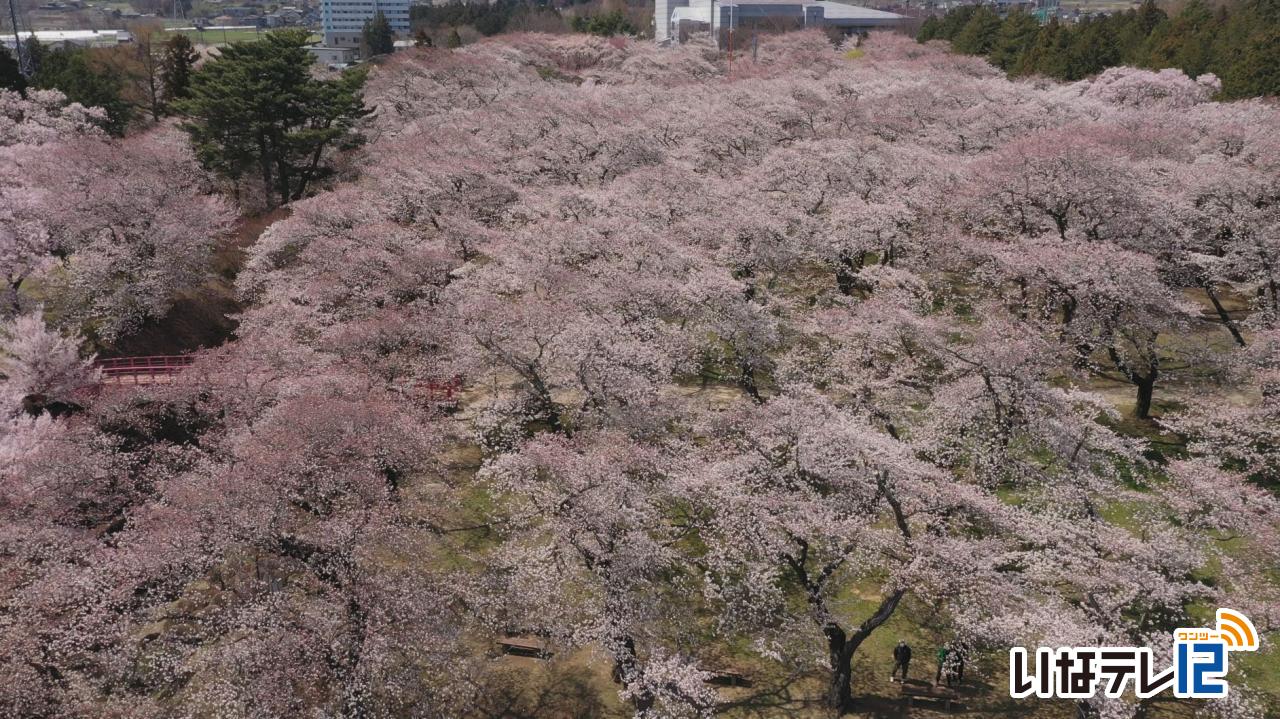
223 37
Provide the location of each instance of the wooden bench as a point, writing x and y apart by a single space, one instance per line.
524 647
946 695
727 678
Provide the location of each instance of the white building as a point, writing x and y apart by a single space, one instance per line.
332 56
69 38
343 20
671 16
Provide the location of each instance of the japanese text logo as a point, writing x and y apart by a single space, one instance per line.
1200 664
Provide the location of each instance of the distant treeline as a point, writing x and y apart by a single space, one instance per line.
1239 42
128 81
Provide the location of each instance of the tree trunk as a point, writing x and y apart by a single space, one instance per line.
265 160
840 690
841 647
1146 383
1223 314
847 268
547 407
747 379
845 280
309 171
1271 282
14 297
1146 390
626 670
354 689
283 180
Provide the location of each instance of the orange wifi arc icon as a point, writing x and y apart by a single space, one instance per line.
1236 630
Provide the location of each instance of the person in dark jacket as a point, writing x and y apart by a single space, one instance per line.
901 659
957 660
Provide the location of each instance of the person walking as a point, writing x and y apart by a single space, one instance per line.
943 651
901 659
958 665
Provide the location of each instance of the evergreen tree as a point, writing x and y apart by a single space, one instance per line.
1093 49
1049 54
606 24
1186 42
978 36
929 29
954 21
1131 30
454 40
70 72
256 108
1257 71
377 36
10 73
1149 16
177 62
1016 36
491 24
1237 41
35 52
1146 19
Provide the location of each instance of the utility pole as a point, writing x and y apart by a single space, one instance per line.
24 57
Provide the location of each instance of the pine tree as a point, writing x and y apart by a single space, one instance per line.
377 36
177 62
35 52
954 21
257 109
1131 30
1093 49
455 40
979 34
10 73
69 71
1016 36
1257 72
929 29
1186 42
1048 54
1150 16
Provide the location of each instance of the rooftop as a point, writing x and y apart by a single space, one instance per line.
833 12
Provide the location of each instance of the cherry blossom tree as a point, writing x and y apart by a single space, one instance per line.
594 558
40 368
26 123
132 223
1233 229
1241 434
42 116
1120 293
1132 87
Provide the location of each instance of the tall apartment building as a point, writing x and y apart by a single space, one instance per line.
343 20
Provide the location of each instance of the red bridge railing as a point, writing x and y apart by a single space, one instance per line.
148 369
439 391
143 370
